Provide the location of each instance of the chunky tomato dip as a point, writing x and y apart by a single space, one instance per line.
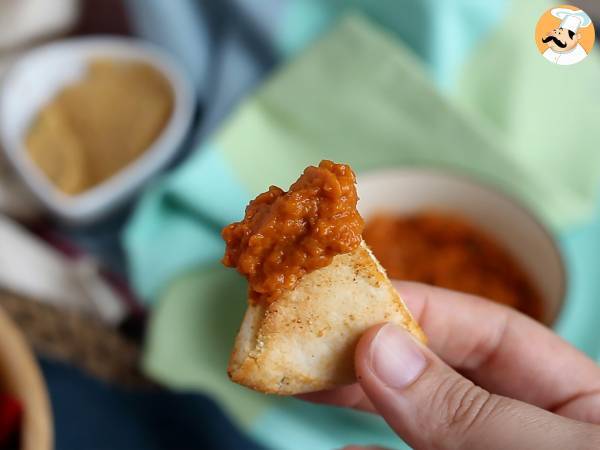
448 251
285 235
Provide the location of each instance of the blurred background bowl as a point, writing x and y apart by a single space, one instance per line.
41 73
510 223
21 377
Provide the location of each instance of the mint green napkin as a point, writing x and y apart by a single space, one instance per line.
543 115
359 96
356 96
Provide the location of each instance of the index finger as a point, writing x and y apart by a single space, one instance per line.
500 349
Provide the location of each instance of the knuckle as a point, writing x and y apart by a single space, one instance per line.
461 406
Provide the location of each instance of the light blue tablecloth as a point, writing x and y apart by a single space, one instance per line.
176 225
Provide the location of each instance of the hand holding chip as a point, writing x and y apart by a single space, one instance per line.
514 384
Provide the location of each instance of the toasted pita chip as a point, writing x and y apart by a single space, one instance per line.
305 340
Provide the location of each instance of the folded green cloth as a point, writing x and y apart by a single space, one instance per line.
360 97
544 116
356 96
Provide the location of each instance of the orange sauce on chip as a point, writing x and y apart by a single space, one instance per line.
285 235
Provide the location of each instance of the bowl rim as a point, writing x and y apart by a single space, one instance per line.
102 198
490 188
24 376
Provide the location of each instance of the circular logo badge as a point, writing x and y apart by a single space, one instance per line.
565 35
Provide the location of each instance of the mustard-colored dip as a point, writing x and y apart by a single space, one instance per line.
95 127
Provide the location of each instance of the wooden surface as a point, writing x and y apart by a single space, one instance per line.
95 348
20 376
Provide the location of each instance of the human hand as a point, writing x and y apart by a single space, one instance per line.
515 384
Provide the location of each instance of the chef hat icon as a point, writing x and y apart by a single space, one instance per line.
572 20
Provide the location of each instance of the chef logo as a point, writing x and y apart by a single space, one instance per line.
565 35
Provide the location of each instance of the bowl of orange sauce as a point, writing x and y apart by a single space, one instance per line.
452 231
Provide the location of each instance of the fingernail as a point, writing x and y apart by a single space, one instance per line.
396 359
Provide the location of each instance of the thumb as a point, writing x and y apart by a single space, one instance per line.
431 406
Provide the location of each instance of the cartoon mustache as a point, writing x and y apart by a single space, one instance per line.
556 41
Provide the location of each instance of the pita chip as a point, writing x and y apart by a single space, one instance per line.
304 339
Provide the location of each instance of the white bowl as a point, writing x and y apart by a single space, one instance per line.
404 191
37 77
